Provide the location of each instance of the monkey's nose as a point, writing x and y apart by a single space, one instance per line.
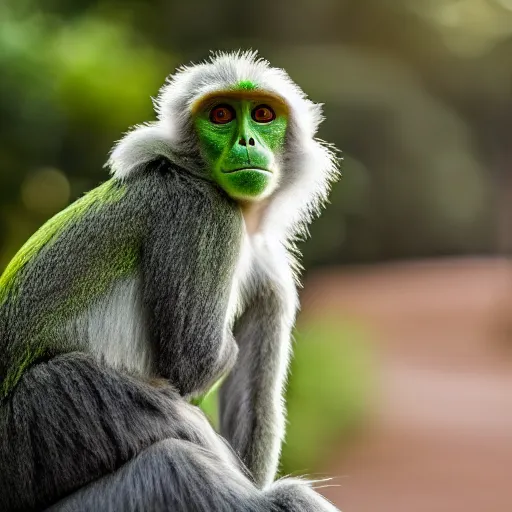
242 142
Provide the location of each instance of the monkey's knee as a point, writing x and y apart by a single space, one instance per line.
172 475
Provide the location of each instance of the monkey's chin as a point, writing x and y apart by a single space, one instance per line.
247 183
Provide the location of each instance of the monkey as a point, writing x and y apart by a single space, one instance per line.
178 272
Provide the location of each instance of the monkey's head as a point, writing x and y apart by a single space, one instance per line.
245 125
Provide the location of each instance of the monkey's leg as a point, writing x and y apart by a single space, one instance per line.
178 476
72 420
172 475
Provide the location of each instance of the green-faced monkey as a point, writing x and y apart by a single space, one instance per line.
140 296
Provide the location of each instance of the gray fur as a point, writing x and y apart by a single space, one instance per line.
187 265
178 293
172 475
175 475
71 420
148 282
252 412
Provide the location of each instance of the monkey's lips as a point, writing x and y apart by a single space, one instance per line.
245 169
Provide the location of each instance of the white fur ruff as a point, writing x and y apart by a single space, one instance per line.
308 165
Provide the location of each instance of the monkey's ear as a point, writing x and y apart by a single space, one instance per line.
139 146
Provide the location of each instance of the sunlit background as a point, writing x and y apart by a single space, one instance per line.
401 387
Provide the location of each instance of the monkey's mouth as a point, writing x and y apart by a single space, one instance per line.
242 169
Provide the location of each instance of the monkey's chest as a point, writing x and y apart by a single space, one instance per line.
196 370
191 354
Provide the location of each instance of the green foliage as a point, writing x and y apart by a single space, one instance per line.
88 74
328 393
101 72
210 405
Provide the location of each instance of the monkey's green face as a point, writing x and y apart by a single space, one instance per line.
241 138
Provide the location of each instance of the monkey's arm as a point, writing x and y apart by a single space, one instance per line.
251 403
188 261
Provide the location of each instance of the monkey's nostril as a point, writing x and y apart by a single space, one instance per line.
242 142
251 142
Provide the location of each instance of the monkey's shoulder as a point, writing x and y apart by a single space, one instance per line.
164 180
71 221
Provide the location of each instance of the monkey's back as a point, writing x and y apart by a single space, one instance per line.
62 268
75 285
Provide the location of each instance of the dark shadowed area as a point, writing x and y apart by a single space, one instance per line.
401 386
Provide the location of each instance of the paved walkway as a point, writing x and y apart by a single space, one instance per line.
440 436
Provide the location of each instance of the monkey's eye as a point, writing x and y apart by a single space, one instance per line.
263 114
222 114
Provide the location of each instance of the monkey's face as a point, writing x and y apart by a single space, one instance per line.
241 137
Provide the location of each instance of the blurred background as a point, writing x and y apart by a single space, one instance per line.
401 385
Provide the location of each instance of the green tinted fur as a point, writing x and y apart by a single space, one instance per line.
15 372
246 85
109 192
221 149
122 262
